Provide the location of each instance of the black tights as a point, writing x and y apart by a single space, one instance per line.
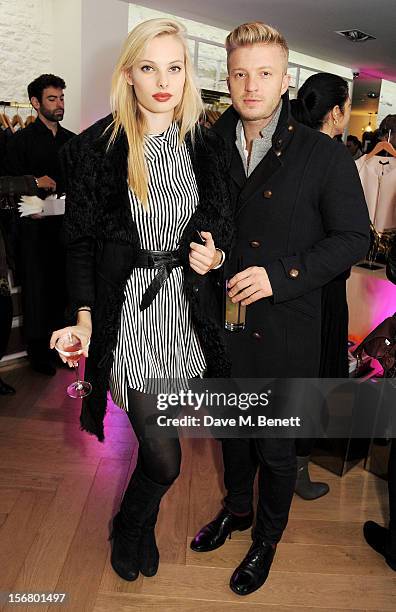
159 458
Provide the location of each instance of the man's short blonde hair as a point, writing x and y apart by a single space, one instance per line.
253 33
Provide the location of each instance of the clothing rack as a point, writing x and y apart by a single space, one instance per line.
14 104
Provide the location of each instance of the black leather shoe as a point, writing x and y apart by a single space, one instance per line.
125 551
6 389
378 538
253 571
215 533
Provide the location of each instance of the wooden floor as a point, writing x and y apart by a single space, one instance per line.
59 487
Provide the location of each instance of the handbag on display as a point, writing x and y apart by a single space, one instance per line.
380 245
381 345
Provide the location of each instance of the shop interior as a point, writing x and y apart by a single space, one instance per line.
59 486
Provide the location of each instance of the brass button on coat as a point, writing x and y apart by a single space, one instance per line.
290 128
256 335
293 272
278 153
254 244
267 194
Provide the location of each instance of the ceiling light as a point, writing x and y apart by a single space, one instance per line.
355 35
368 127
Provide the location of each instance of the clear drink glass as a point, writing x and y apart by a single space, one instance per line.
235 314
70 347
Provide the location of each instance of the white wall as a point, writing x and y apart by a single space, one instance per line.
66 54
78 40
25 45
104 29
387 103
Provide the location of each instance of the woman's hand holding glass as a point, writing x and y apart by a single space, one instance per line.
204 257
81 331
72 343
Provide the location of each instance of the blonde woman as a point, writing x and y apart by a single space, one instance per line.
142 184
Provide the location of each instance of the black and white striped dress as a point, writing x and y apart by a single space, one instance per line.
159 342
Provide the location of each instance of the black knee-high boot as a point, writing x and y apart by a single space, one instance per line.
136 518
148 551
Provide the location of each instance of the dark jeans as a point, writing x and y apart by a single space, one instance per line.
276 459
42 270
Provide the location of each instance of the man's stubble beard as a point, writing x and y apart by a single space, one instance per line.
263 115
51 116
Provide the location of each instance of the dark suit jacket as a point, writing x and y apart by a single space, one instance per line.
302 215
34 150
102 244
18 185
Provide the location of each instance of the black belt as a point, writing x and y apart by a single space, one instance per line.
165 261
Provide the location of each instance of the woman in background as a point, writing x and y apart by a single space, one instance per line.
323 103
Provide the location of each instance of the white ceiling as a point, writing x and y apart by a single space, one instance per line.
309 26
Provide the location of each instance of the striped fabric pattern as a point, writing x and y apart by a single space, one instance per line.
160 342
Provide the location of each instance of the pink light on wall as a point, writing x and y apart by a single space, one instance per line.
371 299
384 296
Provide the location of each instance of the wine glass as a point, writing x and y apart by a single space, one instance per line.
70 347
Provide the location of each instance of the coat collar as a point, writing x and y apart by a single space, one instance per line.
41 128
227 123
272 162
113 160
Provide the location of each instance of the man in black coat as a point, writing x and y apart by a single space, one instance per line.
34 151
301 220
10 186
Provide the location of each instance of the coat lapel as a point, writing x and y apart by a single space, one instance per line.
115 175
259 177
263 172
236 170
269 165
226 127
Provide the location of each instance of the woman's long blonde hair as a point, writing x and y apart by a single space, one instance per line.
127 115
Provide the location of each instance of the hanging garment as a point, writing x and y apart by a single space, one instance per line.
378 176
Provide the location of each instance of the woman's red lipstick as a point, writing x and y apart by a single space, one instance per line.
162 97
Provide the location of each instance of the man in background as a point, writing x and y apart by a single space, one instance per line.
34 151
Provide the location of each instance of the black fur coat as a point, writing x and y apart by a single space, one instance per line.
102 242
